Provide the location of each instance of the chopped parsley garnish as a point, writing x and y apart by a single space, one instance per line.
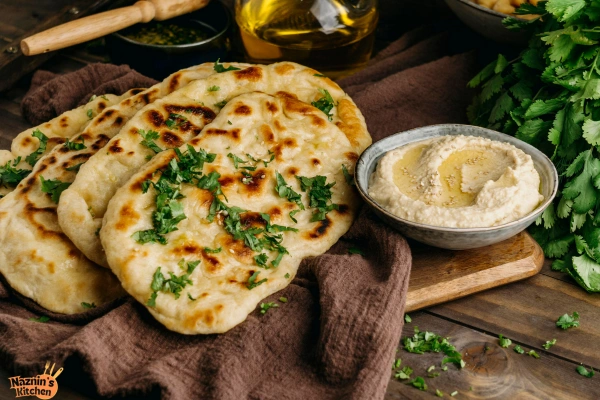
229 122
33 158
42 319
75 146
213 88
568 321
213 251
264 307
149 137
319 75
349 178
90 113
419 383
54 187
407 318
549 343
221 104
175 121
257 161
10 176
174 284
283 299
319 195
75 167
261 260
423 342
292 213
325 103
355 250
219 68
404 373
439 393
582 371
190 297
286 191
504 341
533 354
236 160
454 393
252 283
518 349
88 305
287 276
185 168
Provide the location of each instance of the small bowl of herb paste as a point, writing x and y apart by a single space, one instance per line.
159 48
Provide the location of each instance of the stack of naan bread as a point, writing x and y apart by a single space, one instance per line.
257 129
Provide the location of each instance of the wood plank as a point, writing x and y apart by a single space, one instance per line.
495 373
527 312
11 126
441 275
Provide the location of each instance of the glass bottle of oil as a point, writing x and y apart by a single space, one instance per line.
333 36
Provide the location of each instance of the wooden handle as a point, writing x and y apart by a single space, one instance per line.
166 9
88 28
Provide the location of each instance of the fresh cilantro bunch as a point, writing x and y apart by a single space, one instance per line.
549 97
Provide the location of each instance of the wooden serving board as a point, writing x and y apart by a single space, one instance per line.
439 275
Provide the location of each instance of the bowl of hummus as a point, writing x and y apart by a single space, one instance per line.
456 186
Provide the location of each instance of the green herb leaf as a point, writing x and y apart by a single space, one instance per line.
76 146
549 343
286 191
349 178
219 68
264 307
10 176
518 349
42 319
54 187
88 305
90 113
213 251
407 318
355 250
533 354
439 393
582 371
149 137
504 342
252 282
33 158
283 299
567 321
175 121
221 103
404 373
325 103
214 89
319 194
419 383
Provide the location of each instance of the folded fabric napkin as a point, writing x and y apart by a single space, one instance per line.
336 336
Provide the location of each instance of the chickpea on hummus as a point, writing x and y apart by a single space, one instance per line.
457 181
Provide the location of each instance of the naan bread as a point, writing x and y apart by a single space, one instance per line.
57 130
104 173
304 143
36 257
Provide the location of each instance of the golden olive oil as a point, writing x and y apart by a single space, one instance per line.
334 37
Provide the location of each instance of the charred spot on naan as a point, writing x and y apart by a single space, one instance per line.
286 95
174 81
100 142
64 122
242 109
315 162
115 147
284 69
127 217
171 139
136 186
267 134
291 105
147 97
155 118
279 126
40 218
320 230
206 113
255 184
207 317
231 133
252 74
271 107
234 248
55 141
278 150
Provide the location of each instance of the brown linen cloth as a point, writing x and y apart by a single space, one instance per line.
336 336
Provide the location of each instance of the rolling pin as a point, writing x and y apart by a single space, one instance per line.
98 25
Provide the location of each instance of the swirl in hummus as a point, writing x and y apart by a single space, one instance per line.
457 181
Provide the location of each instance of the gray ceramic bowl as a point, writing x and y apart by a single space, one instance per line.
454 238
486 22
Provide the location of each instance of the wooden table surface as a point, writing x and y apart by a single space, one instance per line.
525 312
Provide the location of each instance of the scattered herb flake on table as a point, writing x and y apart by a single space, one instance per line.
549 343
504 341
533 354
567 321
518 349
42 319
355 250
88 305
419 383
583 371
264 307
407 318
